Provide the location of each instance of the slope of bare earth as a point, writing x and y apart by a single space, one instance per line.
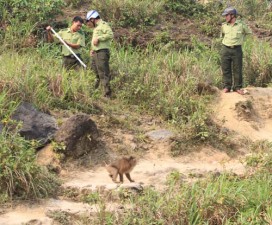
249 116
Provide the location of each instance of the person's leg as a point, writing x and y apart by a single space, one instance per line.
226 61
238 68
103 69
94 68
69 63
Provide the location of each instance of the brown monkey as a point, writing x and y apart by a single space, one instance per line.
121 166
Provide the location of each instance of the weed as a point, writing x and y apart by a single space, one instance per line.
60 216
92 198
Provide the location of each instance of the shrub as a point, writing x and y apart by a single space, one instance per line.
20 18
23 10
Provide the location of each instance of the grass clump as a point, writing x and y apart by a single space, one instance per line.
218 200
20 176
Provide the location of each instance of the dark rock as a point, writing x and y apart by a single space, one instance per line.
35 124
79 135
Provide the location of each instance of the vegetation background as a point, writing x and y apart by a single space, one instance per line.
164 52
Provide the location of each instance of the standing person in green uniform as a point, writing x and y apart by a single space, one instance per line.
100 50
233 32
73 38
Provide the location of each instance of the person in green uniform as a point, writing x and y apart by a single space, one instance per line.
100 50
233 32
73 38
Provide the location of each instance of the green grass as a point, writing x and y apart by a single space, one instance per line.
20 176
41 80
226 199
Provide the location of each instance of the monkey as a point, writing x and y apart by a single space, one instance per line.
121 166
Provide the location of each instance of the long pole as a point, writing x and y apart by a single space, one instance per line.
68 47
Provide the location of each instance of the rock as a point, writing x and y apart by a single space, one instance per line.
160 135
133 186
79 135
35 124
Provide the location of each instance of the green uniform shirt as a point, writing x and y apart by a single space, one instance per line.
104 33
234 34
73 38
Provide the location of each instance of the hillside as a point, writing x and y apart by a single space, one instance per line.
156 163
131 128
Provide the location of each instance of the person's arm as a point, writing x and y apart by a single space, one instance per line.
80 42
75 46
106 33
50 37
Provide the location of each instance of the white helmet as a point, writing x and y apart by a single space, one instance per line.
229 10
91 14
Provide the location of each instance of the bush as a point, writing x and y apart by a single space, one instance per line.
24 10
19 20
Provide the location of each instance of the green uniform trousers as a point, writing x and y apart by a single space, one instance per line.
232 67
70 62
100 65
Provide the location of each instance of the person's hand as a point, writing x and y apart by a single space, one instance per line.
91 52
95 41
48 28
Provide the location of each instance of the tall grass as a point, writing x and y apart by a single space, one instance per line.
165 83
20 176
226 199
257 63
41 80
129 13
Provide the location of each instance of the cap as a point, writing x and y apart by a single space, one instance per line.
229 10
